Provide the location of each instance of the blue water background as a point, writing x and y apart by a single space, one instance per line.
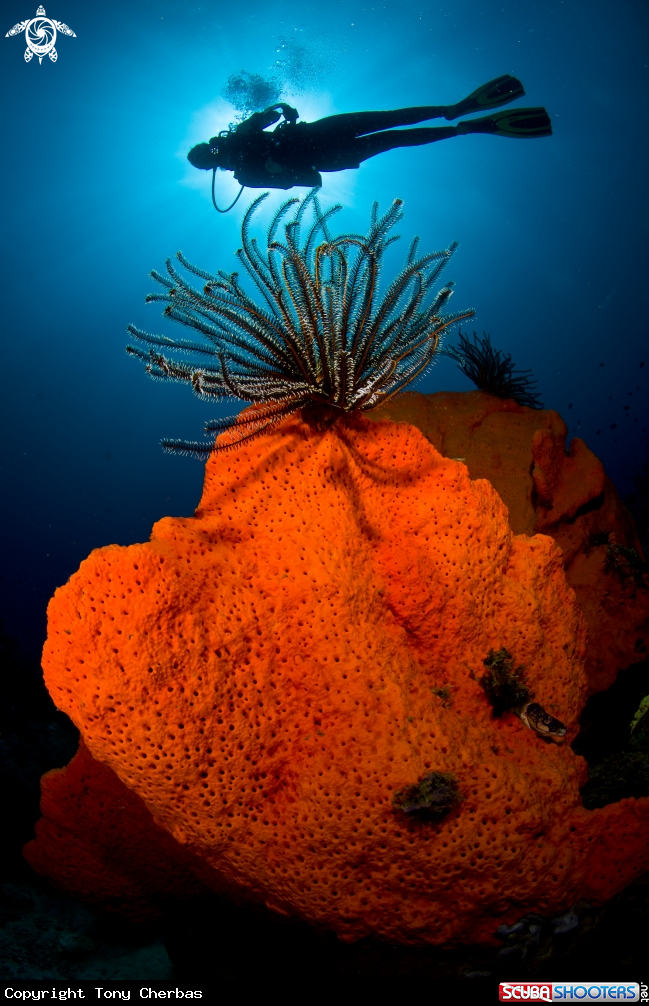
97 191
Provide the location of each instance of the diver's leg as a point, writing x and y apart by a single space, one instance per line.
519 123
350 153
350 124
378 143
347 152
497 92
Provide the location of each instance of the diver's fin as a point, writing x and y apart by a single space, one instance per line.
524 123
497 92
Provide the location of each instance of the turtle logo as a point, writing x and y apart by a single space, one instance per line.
40 34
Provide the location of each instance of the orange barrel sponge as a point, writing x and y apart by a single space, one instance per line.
269 675
551 488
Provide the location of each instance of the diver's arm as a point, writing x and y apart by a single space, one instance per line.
290 114
259 120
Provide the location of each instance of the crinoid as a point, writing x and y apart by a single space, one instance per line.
493 371
323 338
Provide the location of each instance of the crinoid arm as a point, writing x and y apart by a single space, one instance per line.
236 429
493 371
323 335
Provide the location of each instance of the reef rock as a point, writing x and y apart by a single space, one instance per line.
564 494
267 676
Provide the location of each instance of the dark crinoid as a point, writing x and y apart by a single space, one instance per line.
323 338
493 371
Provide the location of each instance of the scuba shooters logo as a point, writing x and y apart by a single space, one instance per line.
40 35
570 992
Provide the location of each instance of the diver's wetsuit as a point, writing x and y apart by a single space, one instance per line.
295 153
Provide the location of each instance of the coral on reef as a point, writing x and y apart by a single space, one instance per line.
549 490
431 799
640 712
324 338
493 371
506 690
260 677
503 683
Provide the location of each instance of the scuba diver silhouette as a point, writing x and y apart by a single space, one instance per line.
295 153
